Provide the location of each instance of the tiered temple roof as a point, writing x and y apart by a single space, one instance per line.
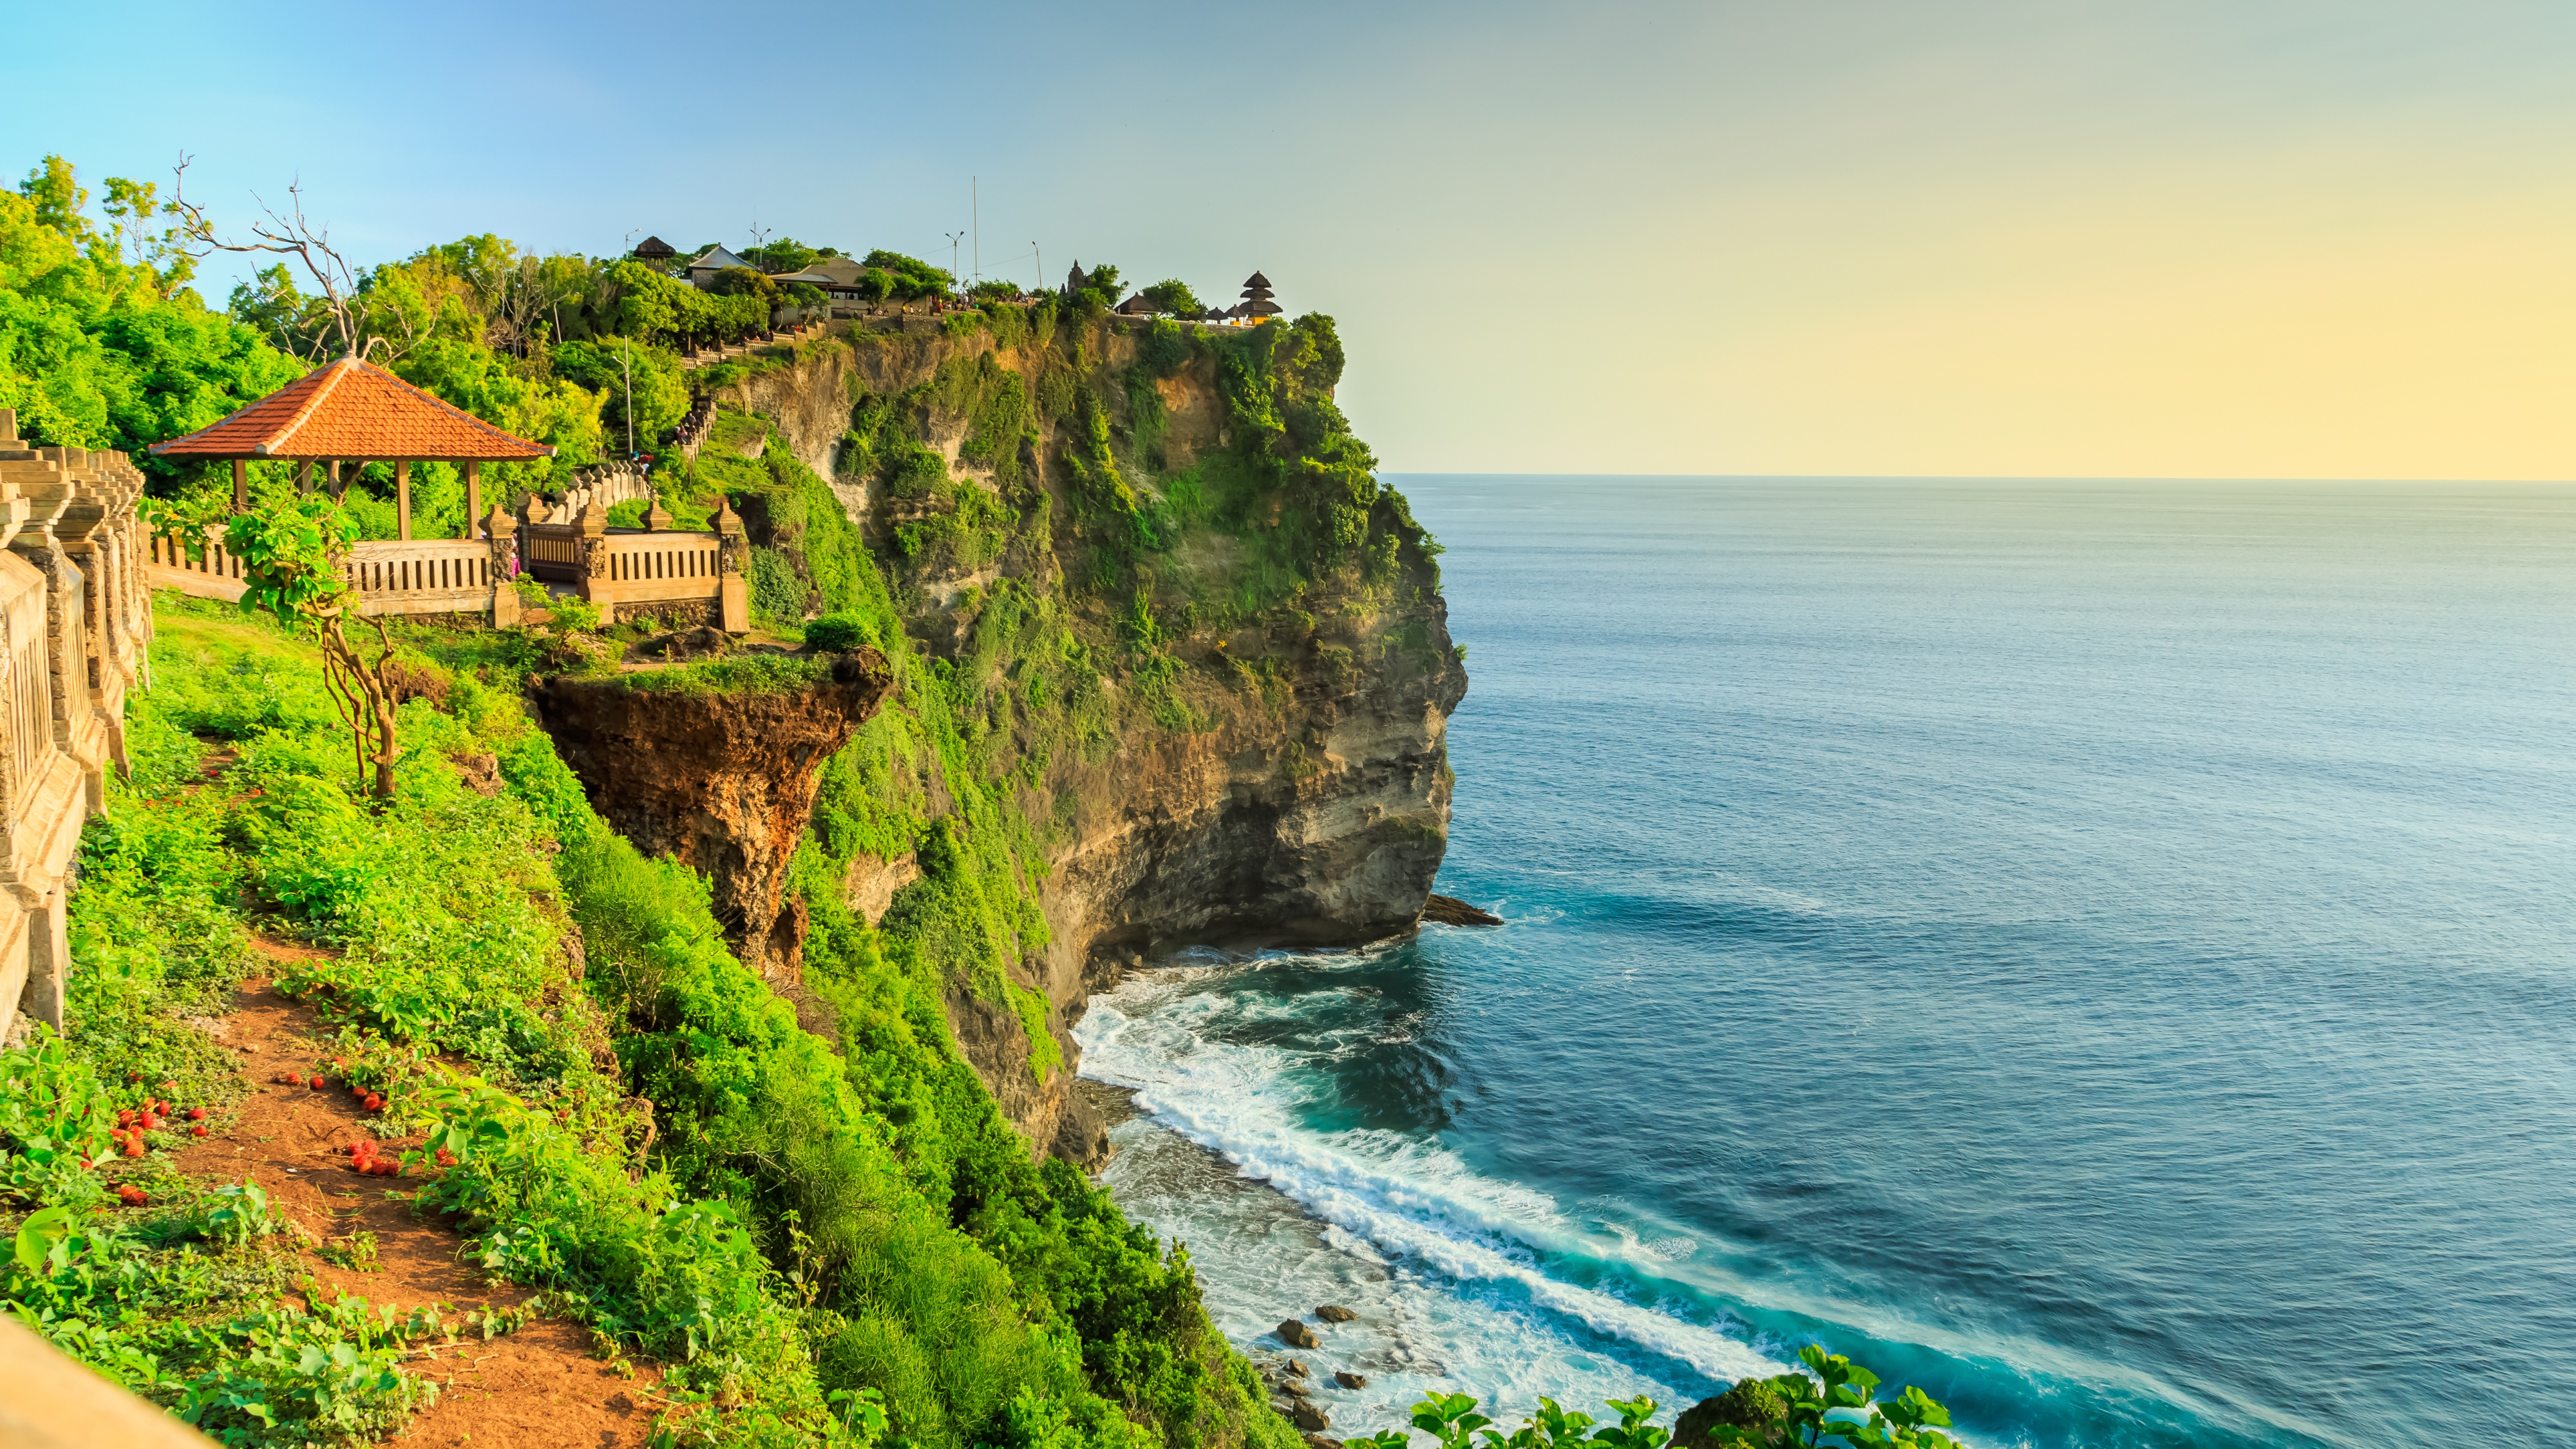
1256 299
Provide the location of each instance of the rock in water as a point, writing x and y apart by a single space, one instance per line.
1297 1335
1350 1380
1298 1367
1294 1388
1333 1313
1310 1417
1451 911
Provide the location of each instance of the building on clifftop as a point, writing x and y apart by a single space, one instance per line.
704 266
1256 306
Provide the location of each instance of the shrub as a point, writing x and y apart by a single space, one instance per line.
838 634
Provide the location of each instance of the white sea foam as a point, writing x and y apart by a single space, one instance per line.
1398 1199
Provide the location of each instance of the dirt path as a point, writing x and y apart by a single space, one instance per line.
537 1388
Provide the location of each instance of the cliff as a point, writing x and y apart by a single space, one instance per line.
1173 668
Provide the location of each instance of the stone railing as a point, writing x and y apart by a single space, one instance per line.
410 576
77 619
676 575
208 573
606 484
693 429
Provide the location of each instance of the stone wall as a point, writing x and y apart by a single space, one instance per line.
77 618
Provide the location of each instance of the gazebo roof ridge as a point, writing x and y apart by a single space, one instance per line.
351 409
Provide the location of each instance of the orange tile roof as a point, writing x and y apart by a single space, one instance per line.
352 409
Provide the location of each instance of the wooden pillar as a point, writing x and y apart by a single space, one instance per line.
304 478
473 496
402 499
241 486
338 488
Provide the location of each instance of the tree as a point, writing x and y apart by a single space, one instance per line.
786 254
293 555
743 282
1174 297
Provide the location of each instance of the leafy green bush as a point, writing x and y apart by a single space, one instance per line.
838 634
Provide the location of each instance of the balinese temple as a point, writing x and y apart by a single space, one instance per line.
1256 303
355 412
655 252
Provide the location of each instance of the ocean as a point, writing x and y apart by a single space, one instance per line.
2104 952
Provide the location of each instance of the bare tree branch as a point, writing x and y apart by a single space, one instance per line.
290 234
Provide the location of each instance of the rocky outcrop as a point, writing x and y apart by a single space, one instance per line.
722 782
1451 911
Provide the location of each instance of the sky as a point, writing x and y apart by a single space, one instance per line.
2189 238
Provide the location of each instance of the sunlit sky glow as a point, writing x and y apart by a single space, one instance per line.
2188 239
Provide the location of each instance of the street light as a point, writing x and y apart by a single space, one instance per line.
953 238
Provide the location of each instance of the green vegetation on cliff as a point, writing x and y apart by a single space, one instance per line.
815 1218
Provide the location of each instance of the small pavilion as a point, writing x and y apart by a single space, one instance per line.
655 252
351 411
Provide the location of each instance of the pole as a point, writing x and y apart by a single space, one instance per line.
952 253
975 215
1033 246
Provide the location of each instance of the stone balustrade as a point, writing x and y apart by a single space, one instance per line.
679 576
76 612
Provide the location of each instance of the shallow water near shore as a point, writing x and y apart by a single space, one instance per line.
2099 951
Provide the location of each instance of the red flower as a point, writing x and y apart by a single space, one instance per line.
317 1084
196 1114
197 1131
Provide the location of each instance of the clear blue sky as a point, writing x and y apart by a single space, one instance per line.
2316 237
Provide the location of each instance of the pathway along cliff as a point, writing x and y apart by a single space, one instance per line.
1164 665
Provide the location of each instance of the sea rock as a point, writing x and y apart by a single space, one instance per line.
1332 1313
1319 1441
1451 911
1294 1388
1298 1367
1310 1417
1298 1335
1350 1380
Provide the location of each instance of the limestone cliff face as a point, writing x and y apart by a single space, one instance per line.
721 782
1308 804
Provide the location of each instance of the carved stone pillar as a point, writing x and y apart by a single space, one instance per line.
733 565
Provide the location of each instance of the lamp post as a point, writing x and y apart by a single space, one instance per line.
953 238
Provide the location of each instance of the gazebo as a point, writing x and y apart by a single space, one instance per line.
351 411
655 251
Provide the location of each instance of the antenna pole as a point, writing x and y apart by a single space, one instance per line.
975 205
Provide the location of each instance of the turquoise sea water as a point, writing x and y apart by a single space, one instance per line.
2103 952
